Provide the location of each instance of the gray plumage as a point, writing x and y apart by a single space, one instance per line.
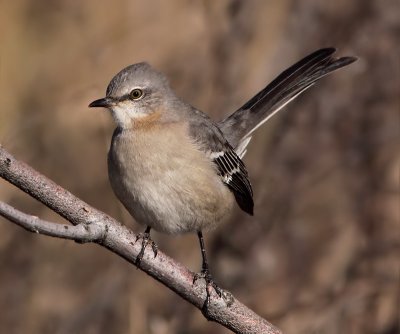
150 117
172 167
231 169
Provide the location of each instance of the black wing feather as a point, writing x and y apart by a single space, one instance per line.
231 168
234 174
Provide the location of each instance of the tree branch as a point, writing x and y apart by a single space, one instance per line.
80 233
91 225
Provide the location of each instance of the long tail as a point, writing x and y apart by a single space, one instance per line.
239 126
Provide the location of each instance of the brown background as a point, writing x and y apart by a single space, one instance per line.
321 254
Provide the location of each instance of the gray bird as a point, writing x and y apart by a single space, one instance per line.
172 167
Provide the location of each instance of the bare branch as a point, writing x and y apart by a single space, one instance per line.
81 233
95 226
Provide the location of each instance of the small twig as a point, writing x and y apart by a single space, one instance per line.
95 226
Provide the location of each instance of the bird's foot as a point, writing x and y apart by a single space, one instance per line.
146 240
210 284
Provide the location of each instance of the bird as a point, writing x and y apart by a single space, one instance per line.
175 169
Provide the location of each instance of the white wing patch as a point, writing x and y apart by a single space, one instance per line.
227 178
215 155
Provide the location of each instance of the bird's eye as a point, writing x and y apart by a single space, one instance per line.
136 94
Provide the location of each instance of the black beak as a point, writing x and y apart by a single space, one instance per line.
101 103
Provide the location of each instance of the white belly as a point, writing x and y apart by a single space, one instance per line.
165 182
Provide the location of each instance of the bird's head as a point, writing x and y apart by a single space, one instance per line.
136 92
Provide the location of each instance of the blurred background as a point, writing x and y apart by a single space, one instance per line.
320 255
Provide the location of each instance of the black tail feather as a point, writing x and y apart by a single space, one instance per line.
285 87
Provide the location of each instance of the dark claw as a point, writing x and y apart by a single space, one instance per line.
155 248
210 284
145 241
205 274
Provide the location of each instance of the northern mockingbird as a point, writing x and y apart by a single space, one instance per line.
172 167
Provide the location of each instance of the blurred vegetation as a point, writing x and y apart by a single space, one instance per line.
321 254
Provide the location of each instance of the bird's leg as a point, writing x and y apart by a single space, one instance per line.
145 241
205 273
